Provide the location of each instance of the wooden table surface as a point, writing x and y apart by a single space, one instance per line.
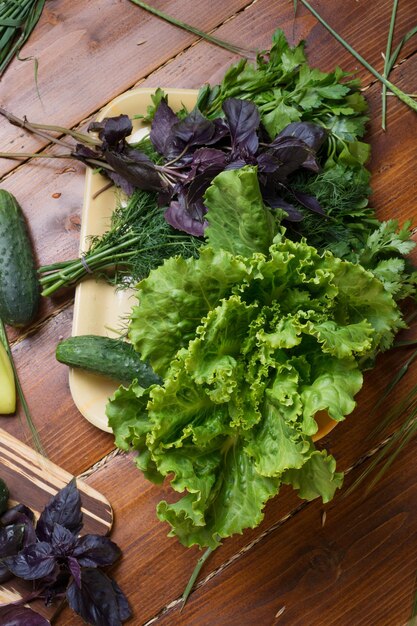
359 567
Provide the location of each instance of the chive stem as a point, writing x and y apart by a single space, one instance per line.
387 63
395 90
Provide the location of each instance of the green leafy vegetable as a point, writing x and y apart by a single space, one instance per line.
137 240
252 341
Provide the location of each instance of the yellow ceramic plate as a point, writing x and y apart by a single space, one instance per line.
99 308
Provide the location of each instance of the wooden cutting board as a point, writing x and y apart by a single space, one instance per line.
33 480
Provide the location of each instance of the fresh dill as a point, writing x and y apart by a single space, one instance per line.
138 240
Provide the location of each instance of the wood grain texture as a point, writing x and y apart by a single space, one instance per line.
69 439
33 480
88 53
286 563
359 568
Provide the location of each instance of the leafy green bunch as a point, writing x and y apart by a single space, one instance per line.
252 339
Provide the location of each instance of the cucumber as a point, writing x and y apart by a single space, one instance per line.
112 358
19 287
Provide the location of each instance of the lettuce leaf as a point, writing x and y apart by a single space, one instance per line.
253 339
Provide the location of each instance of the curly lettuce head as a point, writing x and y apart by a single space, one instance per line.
252 341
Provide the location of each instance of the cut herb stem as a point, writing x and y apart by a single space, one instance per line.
395 90
194 576
387 64
195 31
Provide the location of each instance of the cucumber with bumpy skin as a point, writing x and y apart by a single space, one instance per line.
19 287
113 358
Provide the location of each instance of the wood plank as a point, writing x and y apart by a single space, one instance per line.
33 480
88 54
357 569
89 48
70 441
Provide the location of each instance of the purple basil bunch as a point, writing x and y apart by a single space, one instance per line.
194 149
60 563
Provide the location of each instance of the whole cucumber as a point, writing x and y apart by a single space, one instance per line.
113 358
19 287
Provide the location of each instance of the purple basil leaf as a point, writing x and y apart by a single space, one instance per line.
62 540
311 134
124 608
206 157
11 615
112 130
242 118
161 129
310 202
312 164
291 152
83 152
11 539
75 569
276 202
195 129
96 551
96 601
11 516
187 218
21 514
268 162
236 164
201 181
135 168
35 561
65 509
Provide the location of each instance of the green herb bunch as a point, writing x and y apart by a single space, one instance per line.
18 18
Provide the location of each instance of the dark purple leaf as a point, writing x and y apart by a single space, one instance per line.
83 152
11 539
65 509
134 168
75 569
97 602
195 129
161 130
96 551
29 535
236 164
279 203
200 183
242 118
112 130
21 616
206 157
312 164
11 516
123 604
62 540
187 218
35 561
311 134
55 585
310 202
268 162
291 152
